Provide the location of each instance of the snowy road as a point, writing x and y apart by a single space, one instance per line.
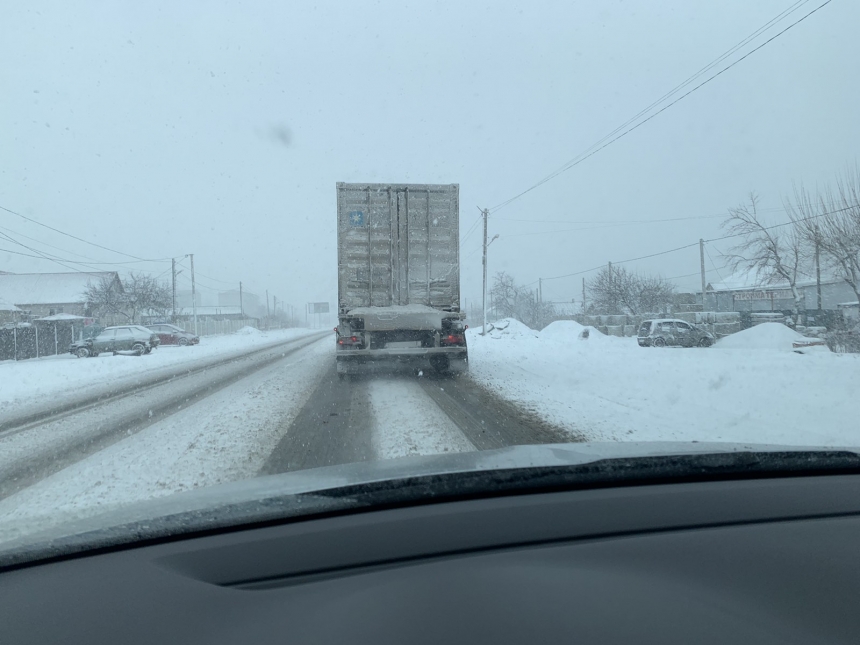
384 417
31 451
272 410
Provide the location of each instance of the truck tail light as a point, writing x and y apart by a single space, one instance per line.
453 339
349 340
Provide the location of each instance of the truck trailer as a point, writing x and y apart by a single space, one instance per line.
398 257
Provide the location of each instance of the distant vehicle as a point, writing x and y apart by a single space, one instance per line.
399 277
670 332
123 338
172 335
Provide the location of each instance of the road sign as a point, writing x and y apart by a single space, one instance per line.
318 307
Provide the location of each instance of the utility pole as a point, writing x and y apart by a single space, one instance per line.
583 295
702 264
173 273
275 307
540 290
486 212
241 301
268 313
818 271
193 296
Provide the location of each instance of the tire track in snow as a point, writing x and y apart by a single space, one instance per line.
225 437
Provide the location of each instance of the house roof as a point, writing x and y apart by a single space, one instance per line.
749 281
204 310
48 288
6 306
62 318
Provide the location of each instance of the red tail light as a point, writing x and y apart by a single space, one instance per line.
453 339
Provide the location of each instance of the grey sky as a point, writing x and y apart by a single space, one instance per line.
220 129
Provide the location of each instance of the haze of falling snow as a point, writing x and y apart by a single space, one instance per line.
163 129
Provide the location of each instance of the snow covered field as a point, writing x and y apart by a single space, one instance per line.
749 387
44 379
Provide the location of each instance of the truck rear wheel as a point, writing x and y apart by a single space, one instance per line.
440 363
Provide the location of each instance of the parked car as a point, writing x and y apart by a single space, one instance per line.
173 335
665 332
154 340
125 338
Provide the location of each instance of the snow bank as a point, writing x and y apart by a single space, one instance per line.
610 389
772 335
226 437
249 331
511 329
40 380
562 330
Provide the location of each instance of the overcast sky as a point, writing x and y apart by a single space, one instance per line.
220 129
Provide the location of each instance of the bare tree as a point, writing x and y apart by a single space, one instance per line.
144 293
773 254
105 297
504 296
619 291
137 293
511 300
839 211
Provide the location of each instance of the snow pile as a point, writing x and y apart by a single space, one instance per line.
511 329
249 331
609 389
772 335
562 330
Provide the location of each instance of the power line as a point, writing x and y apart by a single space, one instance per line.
470 231
91 260
79 239
585 155
708 253
624 221
716 239
48 256
708 67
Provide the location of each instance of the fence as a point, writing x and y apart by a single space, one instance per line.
32 340
210 327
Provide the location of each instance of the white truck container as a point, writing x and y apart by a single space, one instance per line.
398 256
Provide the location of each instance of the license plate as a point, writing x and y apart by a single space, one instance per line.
403 344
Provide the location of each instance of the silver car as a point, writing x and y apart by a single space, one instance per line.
666 332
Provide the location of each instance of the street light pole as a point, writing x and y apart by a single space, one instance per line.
484 330
193 296
173 272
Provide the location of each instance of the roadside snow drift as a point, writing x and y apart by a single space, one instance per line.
772 336
608 388
45 379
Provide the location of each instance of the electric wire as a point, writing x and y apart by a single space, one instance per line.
583 156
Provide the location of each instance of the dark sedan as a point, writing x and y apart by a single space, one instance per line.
126 338
173 335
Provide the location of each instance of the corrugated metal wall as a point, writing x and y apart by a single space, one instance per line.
398 244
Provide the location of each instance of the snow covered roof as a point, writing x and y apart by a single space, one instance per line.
749 280
6 306
212 311
48 288
62 317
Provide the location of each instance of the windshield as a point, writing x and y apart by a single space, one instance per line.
396 231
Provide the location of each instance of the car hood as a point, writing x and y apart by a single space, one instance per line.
419 479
